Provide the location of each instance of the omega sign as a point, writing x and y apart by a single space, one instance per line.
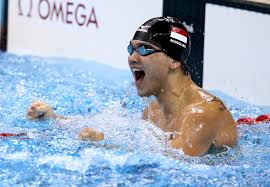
65 12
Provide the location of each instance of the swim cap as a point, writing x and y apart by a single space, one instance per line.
167 33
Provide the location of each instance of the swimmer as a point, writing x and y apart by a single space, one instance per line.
196 120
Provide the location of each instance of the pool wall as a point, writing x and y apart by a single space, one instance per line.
93 30
229 45
229 38
3 25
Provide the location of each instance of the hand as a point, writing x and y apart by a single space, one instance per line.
40 110
90 134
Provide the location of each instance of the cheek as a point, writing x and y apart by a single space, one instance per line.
157 72
152 73
156 67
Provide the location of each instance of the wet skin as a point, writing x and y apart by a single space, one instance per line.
40 111
196 119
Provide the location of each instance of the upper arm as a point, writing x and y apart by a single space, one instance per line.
198 130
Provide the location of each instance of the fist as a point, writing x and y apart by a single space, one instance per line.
40 110
90 134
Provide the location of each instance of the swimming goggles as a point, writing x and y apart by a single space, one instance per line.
143 50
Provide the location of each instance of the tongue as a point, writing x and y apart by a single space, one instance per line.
138 82
139 75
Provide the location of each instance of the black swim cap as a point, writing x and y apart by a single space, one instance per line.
167 33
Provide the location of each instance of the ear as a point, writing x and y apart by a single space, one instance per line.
175 64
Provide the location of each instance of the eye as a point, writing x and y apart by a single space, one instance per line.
147 47
143 51
130 49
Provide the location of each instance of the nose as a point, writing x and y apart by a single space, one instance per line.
134 58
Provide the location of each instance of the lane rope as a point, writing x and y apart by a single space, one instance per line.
252 121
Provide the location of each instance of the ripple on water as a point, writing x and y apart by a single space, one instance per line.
134 152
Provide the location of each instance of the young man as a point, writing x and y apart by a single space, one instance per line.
196 120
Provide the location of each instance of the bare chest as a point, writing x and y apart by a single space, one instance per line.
167 124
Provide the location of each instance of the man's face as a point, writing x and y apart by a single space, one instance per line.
150 71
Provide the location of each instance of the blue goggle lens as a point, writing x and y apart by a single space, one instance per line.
142 50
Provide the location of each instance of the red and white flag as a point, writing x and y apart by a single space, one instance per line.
179 34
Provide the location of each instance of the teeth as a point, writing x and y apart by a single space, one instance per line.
136 69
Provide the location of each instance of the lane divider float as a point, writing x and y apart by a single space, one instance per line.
245 120
7 134
252 121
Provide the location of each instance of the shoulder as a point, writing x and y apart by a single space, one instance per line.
206 105
210 116
206 115
200 124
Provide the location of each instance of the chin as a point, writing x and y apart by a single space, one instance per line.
142 93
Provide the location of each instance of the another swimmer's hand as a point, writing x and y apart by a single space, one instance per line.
90 134
40 110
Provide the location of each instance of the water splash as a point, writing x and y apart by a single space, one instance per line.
134 152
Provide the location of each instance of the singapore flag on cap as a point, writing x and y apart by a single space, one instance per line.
179 34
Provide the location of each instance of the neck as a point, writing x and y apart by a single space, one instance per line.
175 94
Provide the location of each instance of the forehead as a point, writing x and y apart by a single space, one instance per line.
137 43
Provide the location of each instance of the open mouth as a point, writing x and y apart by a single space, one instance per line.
138 74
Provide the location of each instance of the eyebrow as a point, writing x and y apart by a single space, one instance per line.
144 44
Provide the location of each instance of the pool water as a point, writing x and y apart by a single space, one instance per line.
134 152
